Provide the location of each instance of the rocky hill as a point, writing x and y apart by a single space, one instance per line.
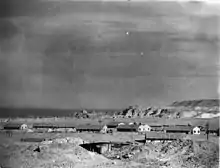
203 108
207 108
137 111
197 103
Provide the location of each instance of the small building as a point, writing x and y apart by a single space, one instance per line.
214 129
15 126
23 127
144 128
50 130
91 128
127 128
196 130
178 129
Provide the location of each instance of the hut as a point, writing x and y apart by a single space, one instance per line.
213 129
144 128
15 126
50 130
196 130
127 128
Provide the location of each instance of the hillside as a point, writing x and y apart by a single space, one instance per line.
202 108
197 103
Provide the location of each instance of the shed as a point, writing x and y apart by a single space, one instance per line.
127 128
15 126
213 129
196 130
178 129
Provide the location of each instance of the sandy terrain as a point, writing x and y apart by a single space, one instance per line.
15 153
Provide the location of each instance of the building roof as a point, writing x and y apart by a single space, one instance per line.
157 129
161 135
54 125
128 126
178 128
13 125
143 124
113 123
32 139
155 125
89 127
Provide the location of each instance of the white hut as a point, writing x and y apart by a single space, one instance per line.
196 130
104 129
50 130
144 128
23 127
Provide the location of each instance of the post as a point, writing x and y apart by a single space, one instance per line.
207 130
145 138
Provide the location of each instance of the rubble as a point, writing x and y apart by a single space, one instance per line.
178 154
61 152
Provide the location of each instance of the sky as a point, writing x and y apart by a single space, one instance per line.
106 54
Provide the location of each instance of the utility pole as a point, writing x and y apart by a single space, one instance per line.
145 138
207 130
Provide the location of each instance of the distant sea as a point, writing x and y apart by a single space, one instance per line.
43 112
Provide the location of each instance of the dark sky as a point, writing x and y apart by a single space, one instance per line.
105 55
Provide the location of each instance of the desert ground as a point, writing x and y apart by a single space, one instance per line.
77 54
15 153
63 149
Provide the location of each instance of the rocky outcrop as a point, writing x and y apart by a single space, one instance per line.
82 114
137 111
